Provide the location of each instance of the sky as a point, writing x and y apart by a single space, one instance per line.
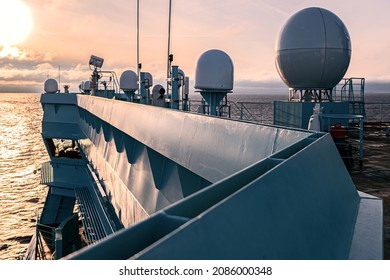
55 38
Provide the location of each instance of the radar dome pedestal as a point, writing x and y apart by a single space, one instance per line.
214 77
313 50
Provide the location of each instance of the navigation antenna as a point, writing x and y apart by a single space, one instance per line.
59 77
138 63
170 56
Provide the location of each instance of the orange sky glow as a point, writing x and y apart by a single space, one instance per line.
63 35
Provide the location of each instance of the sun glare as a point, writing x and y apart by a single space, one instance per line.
15 22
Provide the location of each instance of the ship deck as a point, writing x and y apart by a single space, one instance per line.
373 177
277 170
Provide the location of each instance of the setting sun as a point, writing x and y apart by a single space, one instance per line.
15 22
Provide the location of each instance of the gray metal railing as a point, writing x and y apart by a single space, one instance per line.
45 234
111 84
352 90
263 111
247 111
347 133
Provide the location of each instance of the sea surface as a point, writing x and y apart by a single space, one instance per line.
22 153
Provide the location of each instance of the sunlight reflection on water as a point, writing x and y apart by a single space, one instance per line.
21 154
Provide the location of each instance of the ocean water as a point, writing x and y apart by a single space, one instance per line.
22 153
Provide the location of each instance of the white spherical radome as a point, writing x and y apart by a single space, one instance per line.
128 81
214 71
313 50
51 86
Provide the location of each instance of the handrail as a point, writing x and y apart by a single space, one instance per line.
49 232
241 112
114 83
254 111
351 90
257 111
373 111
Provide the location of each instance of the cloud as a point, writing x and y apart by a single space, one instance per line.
24 69
66 33
274 7
235 30
12 52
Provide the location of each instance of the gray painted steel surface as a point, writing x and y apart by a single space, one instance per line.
189 186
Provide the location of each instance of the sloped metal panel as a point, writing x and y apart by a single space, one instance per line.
210 147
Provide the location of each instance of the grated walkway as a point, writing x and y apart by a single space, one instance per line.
93 226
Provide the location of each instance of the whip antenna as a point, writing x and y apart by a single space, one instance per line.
138 63
170 57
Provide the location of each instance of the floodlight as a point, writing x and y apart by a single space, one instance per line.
96 61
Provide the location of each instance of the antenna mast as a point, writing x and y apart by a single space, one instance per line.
170 57
138 63
59 77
